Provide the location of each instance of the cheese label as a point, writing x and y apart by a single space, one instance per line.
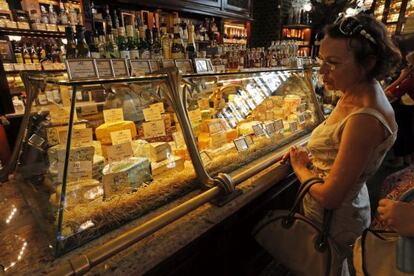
77 170
52 136
63 134
81 69
119 152
89 110
152 114
214 127
218 139
270 128
241 144
158 106
154 129
178 139
81 137
278 125
115 183
194 116
121 137
293 126
60 115
113 115
258 130
302 118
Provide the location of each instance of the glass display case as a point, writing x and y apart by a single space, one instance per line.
104 152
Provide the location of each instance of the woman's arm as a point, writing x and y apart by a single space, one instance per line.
398 215
361 135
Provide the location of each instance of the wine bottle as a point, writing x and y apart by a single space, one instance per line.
191 50
156 50
82 47
112 50
177 48
92 43
122 44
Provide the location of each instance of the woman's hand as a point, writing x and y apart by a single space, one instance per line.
399 216
300 162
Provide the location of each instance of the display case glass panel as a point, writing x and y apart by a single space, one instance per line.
242 116
100 153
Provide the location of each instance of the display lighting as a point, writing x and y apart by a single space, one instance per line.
12 214
19 256
307 7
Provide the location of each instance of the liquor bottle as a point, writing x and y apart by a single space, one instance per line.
122 43
92 44
26 55
156 50
108 18
63 17
82 48
132 43
33 55
17 52
144 50
101 43
45 17
177 48
165 43
191 50
52 15
184 27
112 50
70 45
73 17
115 29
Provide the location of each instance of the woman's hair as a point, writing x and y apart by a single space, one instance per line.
410 58
387 55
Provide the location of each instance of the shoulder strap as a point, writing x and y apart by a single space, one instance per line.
372 112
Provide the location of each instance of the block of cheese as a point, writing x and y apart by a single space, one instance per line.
137 169
103 132
81 191
246 128
231 134
203 140
175 163
218 139
182 152
82 153
159 151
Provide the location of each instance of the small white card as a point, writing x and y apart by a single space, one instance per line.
258 130
113 115
241 144
178 139
215 127
158 106
79 69
76 170
104 67
194 116
154 129
89 110
121 137
293 126
152 114
119 152
120 68
278 125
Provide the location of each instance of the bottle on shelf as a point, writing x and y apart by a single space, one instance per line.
17 52
101 44
191 49
52 15
156 50
26 55
144 50
166 43
63 16
112 50
122 44
132 43
33 55
82 47
45 17
92 44
177 48
70 45
108 18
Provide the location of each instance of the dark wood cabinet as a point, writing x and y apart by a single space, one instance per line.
211 3
243 6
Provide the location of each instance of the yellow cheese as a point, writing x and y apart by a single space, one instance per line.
231 134
103 132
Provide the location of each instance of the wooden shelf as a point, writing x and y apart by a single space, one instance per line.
43 71
34 33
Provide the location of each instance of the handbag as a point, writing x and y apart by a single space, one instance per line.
300 244
383 253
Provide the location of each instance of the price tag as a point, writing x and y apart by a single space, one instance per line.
241 144
214 127
258 130
120 68
52 136
113 115
76 170
194 116
121 137
19 67
139 67
218 139
104 67
119 152
158 106
278 125
184 65
270 128
154 129
115 183
81 137
203 104
249 140
178 139
79 69
302 118
89 110
154 66
293 126
63 134
151 114
167 63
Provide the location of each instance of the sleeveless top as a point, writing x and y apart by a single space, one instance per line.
354 215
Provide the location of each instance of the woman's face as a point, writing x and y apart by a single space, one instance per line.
338 68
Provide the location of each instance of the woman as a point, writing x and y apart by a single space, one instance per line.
350 145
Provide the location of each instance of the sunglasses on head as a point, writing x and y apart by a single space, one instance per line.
350 25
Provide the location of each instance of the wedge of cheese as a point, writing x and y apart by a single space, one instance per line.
103 132
174 163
